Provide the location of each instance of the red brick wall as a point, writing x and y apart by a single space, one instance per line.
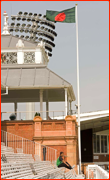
60 149
19 128
26 129
53 125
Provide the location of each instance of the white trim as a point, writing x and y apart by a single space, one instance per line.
93 115
65 101
103 163
100 154
7 50
16 50
6 91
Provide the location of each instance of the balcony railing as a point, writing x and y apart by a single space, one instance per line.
29 115
96 172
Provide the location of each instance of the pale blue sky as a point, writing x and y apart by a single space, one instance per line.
93 21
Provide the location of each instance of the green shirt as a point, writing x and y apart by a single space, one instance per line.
58 161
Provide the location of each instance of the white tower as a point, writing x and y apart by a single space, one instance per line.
5 28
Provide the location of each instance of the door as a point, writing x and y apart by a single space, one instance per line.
86 146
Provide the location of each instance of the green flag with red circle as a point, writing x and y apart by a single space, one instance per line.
65 16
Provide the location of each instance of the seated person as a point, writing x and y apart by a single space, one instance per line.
62 163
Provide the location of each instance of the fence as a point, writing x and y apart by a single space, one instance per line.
22 145
96 172
29 115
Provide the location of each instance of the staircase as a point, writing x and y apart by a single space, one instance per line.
8 155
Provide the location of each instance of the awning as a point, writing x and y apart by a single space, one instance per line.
25 81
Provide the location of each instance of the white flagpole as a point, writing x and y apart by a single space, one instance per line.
79 140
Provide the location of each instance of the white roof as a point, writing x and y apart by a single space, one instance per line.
93 115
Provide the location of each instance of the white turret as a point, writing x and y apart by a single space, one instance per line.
5 27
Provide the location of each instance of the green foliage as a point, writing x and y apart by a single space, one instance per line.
37 114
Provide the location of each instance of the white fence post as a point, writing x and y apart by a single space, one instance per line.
55 156
78 169
6 139
22 145
88 172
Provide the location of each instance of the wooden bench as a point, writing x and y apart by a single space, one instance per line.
24 171
6 149
71 174
2 162
46 167
59 177
3 158
55 173
19 150
80 176
15 171
19 171
37 158
18 157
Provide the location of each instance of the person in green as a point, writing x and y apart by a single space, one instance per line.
62 163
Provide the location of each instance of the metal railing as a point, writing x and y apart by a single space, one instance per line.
29 115
23 145
96 172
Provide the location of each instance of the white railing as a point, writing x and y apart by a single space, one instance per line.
29 115
23 145
96 172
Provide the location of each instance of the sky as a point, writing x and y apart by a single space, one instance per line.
93 31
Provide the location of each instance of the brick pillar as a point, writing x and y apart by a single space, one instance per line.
37 133
37 126
71 140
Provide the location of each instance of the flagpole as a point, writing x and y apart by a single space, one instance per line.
77 50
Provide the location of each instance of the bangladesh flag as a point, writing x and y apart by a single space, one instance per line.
66 16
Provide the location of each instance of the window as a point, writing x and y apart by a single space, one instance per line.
103 144
100 143
96 140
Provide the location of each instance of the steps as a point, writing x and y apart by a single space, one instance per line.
8 155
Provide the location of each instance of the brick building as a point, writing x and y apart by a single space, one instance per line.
58 134
62 135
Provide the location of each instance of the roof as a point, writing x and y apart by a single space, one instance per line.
27 76
98 120
93 115
10 41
